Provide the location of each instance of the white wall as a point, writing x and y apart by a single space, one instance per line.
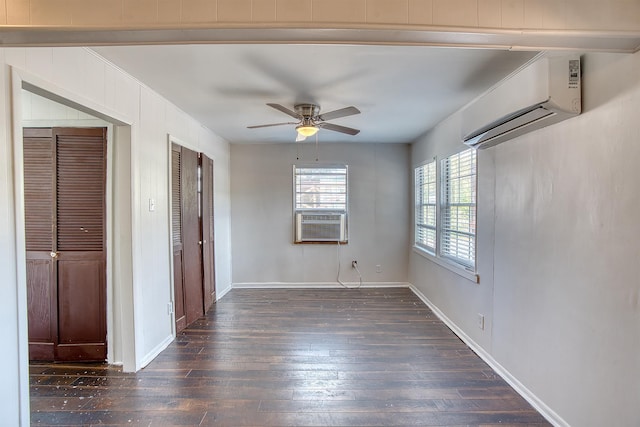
14 387
38 111
80 75
563 309
262 231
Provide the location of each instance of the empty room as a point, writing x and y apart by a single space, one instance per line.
320 212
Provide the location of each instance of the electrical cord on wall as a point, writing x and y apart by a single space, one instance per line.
355 265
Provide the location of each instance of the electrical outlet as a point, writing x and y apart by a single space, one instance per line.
354 264
481 321
378 268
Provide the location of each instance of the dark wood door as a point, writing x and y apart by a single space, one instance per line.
208 264
192 250
176 237
64 175
187 247
39 199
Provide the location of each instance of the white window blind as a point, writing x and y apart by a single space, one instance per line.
458 208
321 188
425 199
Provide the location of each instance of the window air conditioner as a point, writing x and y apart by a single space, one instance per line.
320 227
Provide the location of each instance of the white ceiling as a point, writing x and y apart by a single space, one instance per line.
402 91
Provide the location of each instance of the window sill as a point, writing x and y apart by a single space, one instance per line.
454 268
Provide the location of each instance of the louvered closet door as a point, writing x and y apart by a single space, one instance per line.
65 222
208 264
39 197
176 237
80 168
191 237
186 236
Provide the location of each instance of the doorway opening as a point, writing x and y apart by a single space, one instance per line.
39 104
41 109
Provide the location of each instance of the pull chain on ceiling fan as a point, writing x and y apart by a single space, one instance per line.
310 121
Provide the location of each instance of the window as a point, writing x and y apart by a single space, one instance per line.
320 203
425 219
321 188
458 208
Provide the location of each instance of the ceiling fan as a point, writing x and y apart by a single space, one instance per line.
310 121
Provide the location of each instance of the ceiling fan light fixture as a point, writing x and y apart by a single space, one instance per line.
307 130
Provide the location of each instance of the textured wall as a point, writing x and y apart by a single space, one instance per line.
557 252
262 210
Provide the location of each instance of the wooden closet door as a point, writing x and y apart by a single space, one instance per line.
208 258
80 245
64 175
39 196
187 244
192 250
176 237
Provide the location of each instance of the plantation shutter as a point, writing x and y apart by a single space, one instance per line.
458 236
425 187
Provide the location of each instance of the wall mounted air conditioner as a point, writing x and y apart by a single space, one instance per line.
543 93
320 227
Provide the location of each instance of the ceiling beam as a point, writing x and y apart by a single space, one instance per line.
610 41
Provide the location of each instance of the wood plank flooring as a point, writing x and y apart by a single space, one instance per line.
331 357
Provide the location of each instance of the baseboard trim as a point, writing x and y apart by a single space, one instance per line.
156 351
317 285
520 388
222 293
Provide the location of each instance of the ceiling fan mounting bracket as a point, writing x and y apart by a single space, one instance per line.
307 110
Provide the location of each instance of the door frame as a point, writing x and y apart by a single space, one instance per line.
119 251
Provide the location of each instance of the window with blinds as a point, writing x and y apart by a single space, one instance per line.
425 199
320 204
458 208
321 188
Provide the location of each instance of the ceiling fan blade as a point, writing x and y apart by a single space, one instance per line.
338 128
285 110
272 124
343 112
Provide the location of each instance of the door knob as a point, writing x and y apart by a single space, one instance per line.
54 255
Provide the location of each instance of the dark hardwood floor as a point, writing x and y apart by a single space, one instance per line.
367 357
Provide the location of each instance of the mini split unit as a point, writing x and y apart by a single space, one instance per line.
543 93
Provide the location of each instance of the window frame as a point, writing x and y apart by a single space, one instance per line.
317 221
446 233
419 202
463 269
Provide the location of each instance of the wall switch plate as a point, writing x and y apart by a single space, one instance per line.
152 205
481 321
170 308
